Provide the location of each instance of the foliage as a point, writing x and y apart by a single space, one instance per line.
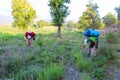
99 61
86 76
117 9
107 51
99 73
42 23
58 11
39 40
53 72
23 13
71 24
109 19
81 63
48 56
90 17
111 37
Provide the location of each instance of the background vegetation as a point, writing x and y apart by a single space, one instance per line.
48 56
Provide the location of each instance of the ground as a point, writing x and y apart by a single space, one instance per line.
17 59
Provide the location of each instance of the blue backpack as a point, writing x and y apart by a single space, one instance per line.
91 32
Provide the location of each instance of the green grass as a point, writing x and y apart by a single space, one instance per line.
81 63
46 52
46 58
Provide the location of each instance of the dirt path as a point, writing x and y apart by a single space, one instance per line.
71 72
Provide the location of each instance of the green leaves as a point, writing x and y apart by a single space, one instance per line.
58 12
90 17
23 13
109 19
117 9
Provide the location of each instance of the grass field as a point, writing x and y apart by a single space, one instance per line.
21 62
48 55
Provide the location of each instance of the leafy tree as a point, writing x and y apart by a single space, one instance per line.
59 11
90 17
109 19
23 13
118 12
42 23
71 24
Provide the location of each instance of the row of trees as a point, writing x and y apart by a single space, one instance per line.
24 15
91 18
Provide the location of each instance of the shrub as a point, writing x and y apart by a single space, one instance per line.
18 60
39 40
99 61
99 73
31 73
107 51
111 37
53 72
82 63
86 76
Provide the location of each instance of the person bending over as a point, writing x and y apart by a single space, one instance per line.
93 43
29 37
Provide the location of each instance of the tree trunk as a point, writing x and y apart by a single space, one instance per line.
58 33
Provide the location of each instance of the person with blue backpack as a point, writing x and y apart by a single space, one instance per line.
92 37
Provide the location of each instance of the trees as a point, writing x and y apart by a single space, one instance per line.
109 19
42 23
90 17
71 24
58 11
23 13
117 9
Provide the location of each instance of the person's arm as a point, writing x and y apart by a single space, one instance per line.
83 45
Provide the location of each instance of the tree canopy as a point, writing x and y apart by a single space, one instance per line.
90 17
42 23
109 19
23 13
59 11
117 9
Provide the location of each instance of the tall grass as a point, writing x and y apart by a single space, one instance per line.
51 72
112 37
108 51
81 63
42 61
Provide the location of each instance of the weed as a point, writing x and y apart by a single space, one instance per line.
86 76
81 63
53 72
111 37
39 40
18 60
98 73
107 51
99 61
